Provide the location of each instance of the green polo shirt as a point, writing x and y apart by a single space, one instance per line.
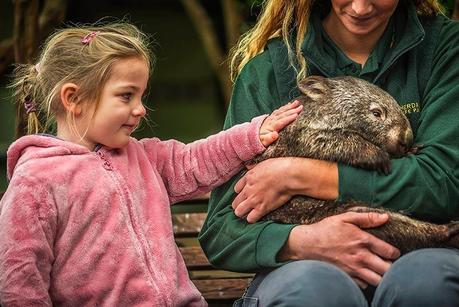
417 62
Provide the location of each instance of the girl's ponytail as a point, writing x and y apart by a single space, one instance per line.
25 95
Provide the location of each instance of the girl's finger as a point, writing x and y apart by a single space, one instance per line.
281 123
269 138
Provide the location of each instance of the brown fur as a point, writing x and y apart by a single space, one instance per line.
351 121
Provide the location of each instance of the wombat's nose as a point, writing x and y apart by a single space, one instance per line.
406 142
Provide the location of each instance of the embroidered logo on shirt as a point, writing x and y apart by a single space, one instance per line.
412 107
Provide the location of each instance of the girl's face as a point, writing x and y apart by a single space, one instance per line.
363 17
120 107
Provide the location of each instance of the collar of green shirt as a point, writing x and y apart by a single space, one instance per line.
403 32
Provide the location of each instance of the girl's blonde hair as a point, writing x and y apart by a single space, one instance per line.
68 57
279 18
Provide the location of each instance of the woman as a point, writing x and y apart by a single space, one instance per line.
409 49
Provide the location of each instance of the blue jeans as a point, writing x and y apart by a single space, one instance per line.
426 277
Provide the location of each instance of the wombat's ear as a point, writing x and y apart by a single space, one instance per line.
313 86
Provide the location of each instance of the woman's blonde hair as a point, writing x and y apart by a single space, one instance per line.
279 18
68 57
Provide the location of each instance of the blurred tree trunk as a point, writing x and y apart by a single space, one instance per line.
456 11
207 32
30 28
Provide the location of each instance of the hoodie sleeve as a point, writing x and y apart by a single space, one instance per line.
196 168
27 227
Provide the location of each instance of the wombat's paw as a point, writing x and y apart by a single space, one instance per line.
453 234
381 163
415 149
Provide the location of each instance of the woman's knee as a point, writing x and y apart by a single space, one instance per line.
308 283
426 277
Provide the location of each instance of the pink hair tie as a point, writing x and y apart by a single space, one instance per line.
30 106
88 37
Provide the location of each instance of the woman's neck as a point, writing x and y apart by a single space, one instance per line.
356 47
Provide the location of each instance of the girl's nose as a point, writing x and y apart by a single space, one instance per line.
139 110
362 7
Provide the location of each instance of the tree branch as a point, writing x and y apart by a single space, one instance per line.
212 47
233 22
53 13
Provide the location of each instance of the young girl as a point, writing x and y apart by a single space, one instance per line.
86 218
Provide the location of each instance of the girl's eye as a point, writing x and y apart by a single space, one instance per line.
126 96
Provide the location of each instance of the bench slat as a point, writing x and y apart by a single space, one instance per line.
215 285
194 257
222 288
188 224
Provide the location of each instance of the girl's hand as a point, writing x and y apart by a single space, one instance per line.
269 130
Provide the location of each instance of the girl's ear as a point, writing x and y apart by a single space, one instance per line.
69 98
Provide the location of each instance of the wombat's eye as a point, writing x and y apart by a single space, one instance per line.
377 113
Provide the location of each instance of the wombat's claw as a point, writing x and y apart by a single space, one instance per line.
415 149
386 169
383 167
453 228
453 234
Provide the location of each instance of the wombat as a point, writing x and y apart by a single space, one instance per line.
351 121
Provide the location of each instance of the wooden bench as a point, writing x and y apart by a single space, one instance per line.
219 288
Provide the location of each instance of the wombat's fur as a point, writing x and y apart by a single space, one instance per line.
351 121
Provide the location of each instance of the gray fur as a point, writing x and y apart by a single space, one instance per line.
351 121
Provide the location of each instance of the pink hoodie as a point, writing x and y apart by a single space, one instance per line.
82 228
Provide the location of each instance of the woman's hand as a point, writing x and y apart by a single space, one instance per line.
271 183
269 130
263 188
340 240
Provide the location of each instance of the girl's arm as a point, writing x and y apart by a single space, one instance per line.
196 168
27 227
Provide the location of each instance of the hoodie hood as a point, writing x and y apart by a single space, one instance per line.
33 147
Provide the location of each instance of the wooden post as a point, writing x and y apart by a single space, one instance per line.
25 41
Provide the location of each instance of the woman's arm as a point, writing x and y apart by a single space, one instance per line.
271 183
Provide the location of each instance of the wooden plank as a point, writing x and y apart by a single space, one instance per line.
217 289
188 224
217 274
194 257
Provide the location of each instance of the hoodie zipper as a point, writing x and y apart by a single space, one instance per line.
132 220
